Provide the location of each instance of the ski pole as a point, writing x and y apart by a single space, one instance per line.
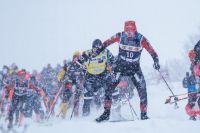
166 84
169 99
178 100
132 110
175 98
72 112
46 105
131 107
184 94
73 109
54 101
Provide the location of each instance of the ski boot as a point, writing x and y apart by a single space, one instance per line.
193 118
144 116
105 116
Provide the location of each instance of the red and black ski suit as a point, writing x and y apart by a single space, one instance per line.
128 62
194 56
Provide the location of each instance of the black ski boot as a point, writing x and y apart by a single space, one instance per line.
192 118
144 116
105 116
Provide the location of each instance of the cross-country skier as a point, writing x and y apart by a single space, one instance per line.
131 44
98 74
194 56
18 94
71 75
189 82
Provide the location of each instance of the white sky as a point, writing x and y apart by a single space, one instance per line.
36 32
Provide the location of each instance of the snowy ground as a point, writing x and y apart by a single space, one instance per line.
164 118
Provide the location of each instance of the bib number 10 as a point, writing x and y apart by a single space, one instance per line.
129 54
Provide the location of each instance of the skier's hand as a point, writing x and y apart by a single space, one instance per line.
156 65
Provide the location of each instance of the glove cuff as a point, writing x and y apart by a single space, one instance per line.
155 59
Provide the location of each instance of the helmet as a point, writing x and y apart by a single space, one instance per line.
96 46
5 70
192 54
13 66
76 54
28 75
130 26
21 73
49 66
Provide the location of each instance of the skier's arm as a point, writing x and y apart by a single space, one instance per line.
34 87
42 93
113 39
184 83
110 61
145 44
82 59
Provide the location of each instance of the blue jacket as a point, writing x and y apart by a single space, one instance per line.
190 83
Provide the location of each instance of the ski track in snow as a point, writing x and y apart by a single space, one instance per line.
163 118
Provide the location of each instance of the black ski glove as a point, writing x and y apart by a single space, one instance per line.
156 65
156 62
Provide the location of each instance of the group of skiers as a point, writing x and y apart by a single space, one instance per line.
93 75
21 93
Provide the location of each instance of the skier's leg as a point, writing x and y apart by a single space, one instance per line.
76 101
110 87
140 84
25 108
38 109
189 106
17 116
97 86
88 96
13 107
